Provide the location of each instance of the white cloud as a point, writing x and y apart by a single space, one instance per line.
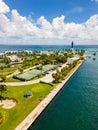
94 0
77 9
19 29
3 7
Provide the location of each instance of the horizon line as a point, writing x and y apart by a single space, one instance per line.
49 45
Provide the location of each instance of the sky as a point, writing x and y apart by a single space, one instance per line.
47 22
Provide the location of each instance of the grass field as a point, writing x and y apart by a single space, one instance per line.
11 79
7 71
24 106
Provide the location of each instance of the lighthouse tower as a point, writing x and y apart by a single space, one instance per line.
72 44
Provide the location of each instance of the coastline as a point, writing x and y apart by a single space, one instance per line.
26 123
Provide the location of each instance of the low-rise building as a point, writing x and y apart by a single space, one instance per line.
46 52
71 60
14 59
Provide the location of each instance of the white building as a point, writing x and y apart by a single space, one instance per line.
14 58
46 52
71 60
28 51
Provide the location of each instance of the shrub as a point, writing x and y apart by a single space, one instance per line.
1 118
46 83
28 94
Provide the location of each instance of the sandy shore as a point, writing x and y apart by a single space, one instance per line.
25 124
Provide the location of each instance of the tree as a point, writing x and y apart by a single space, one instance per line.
20 69
1 117
1 68
3 78
6 60
3 89
41 69
58 77
28 94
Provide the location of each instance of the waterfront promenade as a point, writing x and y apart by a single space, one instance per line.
25 124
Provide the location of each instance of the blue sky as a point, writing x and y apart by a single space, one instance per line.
74 10
39 21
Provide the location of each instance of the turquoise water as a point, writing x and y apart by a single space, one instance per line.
43 47
76 105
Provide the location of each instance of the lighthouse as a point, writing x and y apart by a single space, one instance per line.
72 44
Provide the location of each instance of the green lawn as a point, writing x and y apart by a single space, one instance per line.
24 106
11 79
8 71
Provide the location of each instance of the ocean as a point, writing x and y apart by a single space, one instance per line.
76 105
4 48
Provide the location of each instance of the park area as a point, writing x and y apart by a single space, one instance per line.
30 74
24 106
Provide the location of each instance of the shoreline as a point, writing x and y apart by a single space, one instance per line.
30 119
